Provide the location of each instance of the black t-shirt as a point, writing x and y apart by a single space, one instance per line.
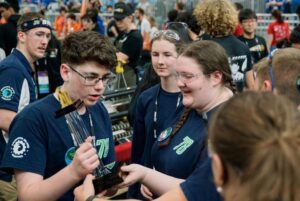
239 58
257 47
131 44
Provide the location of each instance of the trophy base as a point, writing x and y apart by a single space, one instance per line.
106 182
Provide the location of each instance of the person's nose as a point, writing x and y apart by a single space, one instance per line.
99 85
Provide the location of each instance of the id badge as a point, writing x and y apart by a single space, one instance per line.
43 81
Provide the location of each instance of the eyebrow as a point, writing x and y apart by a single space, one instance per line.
94 74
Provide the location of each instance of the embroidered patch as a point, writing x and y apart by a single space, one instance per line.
19 147
7 93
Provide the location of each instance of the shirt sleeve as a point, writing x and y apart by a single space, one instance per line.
26 149
11 86
199 185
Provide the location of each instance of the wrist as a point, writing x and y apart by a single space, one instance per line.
92 198
73 174
145 171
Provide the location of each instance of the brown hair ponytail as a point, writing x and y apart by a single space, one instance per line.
181 121
258 135
274 173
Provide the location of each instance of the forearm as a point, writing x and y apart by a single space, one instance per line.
83 8
48 189
160 183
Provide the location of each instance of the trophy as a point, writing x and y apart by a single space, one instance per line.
104 178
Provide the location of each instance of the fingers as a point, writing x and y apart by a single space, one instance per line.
88 179
87 155
89 139
88 188
78 192
146 192
85 159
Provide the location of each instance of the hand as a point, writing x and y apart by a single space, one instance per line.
131 174
86 189
146 192
85 160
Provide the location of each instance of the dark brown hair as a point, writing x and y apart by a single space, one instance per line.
277 15
258 135
85 46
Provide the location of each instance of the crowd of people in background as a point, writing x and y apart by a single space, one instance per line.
192 69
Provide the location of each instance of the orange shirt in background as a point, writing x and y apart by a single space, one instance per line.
59 25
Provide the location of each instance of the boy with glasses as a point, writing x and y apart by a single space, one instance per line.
257 45
17 86
44 150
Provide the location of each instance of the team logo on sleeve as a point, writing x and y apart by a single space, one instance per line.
19 147
7 93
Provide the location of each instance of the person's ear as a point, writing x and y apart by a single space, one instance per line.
216 77
218 170
21 36
267 85
65 72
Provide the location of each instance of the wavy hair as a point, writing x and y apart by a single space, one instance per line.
216 17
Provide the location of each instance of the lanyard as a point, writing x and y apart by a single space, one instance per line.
156 109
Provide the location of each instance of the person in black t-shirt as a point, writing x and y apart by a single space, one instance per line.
257 45
129 42
221 30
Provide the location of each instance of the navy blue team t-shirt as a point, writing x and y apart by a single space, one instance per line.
180 156
17 89
39 142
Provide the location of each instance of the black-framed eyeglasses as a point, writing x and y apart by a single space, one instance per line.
167 33
90 80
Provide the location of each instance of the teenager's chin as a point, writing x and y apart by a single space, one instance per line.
88 102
